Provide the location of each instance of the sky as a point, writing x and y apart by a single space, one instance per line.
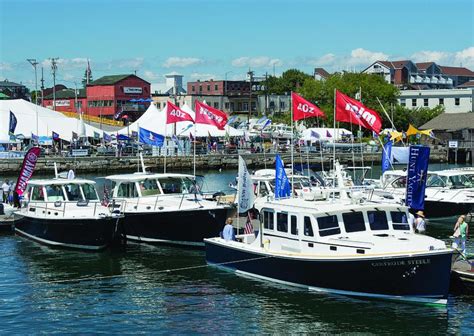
223 39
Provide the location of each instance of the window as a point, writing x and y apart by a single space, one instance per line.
127 190
308 228
73 192
37 194
282 105
208 88
413 102
401 182
399 220
54 193
216 105
149 187
441 101
226 105
158 105
403 102
89 192
425 102
282 222
245 106
216 87
377 220
254 106
268 220
200 88
172 185
353 221
193 88
294 225
263 189
328 226
456 101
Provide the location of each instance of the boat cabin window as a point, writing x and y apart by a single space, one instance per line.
435 181
37 193
294 225
54 193
73 192
353 221
399 220
149 187
268 220
308 227
282 222
401 182
328 226
127 190
263 190
172 185
89 192
377 220
459 181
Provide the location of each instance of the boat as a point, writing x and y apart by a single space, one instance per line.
365 250
167 208
67 213
462 274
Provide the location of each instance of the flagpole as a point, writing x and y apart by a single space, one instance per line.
166 150
334 133
194 150
292 145
391 121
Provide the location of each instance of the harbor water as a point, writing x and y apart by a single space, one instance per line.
169 290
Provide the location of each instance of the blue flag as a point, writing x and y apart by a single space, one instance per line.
176 141
12 125
122 137
268 122
150 138
107 137
96 135
416 178
387 156
282 185
35 138
55 136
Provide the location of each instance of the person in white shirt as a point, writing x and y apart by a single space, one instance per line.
5 190
420 224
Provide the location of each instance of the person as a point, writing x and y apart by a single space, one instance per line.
5 190
411 220
228 231
461 232
420 225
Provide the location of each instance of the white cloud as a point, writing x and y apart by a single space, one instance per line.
324 60
364 57
182 62
465 57
131 63
257 62
150 75
5 66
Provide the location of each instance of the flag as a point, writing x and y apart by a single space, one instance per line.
303 109
106 197
191 137
74 136
176 140
135 135
282 185
267 123
261 120
35 138
411 130
55 136
352 111
245 195
174 114
96 135
209 115
416 176
107 137
395 135
150 138
27 169
314 135
231 120
328 134
12 124
118 114
386 156
123 137
248 224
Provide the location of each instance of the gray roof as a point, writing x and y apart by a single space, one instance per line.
6 83
451 121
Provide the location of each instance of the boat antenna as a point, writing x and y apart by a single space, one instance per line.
56 170
142 162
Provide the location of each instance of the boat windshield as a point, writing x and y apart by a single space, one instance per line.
459 181
54 193
73 192
90 193
149 187
175 185
436 181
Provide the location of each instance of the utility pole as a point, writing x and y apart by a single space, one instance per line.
250 75
42 87
34 63
54 67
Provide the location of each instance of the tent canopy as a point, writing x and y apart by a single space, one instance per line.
324 134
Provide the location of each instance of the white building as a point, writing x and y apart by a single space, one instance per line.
454 100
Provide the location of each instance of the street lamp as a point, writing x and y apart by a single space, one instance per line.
33 62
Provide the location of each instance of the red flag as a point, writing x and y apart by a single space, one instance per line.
209 115
27 169
174 114
352 111
303 109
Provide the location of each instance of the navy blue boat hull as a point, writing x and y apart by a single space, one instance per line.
424 276
437 210
84 234
176 227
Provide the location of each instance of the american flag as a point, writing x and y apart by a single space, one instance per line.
248 224
106 198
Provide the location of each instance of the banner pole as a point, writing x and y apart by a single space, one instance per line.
194 151
292 146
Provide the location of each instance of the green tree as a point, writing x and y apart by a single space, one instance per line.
289 81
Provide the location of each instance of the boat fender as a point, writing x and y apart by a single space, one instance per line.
102 215
266 243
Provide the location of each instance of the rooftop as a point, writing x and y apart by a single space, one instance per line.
450 121
68 94
110 80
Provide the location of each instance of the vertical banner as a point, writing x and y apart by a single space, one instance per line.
27 169
282 184
386 156
245 195
416 177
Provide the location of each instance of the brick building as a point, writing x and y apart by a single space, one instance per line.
65 100
14 90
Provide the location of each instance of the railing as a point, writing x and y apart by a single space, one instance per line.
94 119
61 207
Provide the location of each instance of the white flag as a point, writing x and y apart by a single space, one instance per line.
245 195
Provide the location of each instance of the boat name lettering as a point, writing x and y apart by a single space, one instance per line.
401 263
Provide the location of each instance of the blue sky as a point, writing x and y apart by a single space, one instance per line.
205 39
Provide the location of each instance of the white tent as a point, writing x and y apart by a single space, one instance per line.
155 120
324 134
48 121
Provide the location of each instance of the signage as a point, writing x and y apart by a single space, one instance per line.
132 90
453 144
79 152
62 102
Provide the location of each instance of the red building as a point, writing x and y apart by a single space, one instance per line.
65 100
111 94
219 88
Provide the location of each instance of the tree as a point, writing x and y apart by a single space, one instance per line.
84 79
289 81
